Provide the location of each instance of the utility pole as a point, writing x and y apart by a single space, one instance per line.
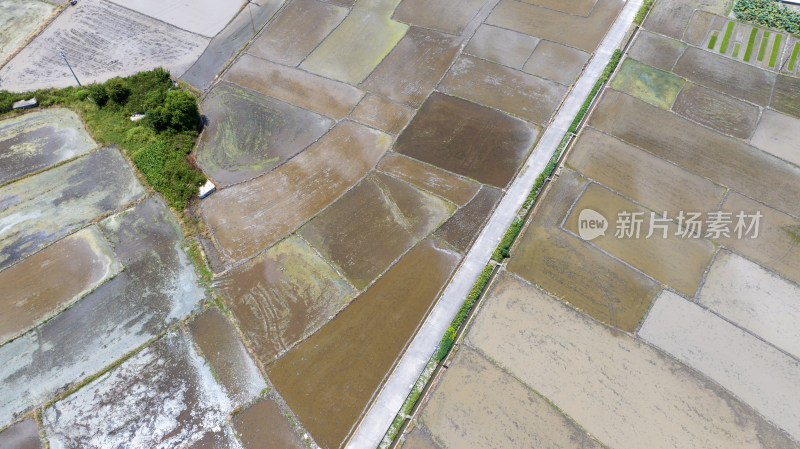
70 67
251 2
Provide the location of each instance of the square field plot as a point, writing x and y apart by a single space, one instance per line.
468 139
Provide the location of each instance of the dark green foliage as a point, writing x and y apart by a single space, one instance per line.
768 13
118 90
159 152
503 249
642 11
181 108
466 307
610 67
98 94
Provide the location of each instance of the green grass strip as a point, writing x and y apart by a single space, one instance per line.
727 38
713 42
642 11
776 47
610 67
793 58
474 294
763 48
736 49
750 44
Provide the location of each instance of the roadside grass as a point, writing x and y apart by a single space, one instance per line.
640 15
158 144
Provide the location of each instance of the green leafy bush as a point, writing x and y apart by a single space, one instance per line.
118 90
98 94
181 108
474 294
768 13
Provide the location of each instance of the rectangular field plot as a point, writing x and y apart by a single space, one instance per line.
465 225
722 159
18 19
354 352
249 217
447 16
373 224
101 40
40 139
623 392
718 111
283 295
667 257
755 299
157 287
656 50
38 287
264 425
786 97
468 139
427 177
502 46
477 405
640 176
43 208
205 17
777 134
753 370
382 114
650 84
572 269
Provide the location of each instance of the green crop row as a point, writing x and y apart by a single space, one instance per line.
768 13
750 44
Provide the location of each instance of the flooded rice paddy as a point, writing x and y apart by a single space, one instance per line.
775 135
718 111
427 177
463 227
468 139
204 17
18 20
248 133
329 379
250 217
39 210
437 15
283 295
647 83
101 40
505 47
37 140
264 426
556 62
23 435
656 50
75 265
383 114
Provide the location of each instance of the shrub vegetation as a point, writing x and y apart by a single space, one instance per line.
158 145
768 13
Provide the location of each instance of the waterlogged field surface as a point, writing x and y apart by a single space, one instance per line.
756 372
437 181
583 33
652 85
578 8
157 287
23 435
40 139
295 33
295 86
419 438
478 405
620 390
414 67
506 47
556 62
519 93
355 350
786 96
219 343
718 111
573 270
468 139
250 217
358 44
205 17
722 159
18 19
642 177
673 260
446 16
248 133
217 439
777 134
101 40
283 295
656 50
463 227
164 396
41 285
381 113
755 298
264 426
373 224
40 209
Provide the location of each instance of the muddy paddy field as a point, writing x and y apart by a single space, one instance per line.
677 337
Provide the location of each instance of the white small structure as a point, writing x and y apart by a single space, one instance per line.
25 104
207 189
137 117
